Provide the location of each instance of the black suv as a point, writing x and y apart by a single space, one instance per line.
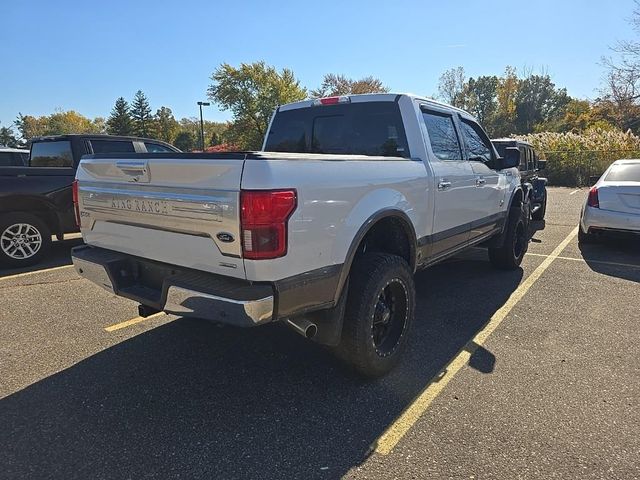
530 166
36 201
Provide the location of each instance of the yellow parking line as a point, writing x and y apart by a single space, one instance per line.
133 321
24 274
394 433
601 262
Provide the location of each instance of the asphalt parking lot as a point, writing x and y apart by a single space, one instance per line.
526 374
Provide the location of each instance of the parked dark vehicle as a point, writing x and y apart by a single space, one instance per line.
530 166
36 201
13 157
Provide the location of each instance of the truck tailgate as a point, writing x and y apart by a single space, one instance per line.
180 209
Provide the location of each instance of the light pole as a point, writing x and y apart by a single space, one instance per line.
202 104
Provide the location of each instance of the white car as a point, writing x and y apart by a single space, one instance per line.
613 203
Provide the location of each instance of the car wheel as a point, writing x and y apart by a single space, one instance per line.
509 256
24 239
378 315
539 214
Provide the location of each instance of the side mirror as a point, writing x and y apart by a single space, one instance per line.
511 157
542 164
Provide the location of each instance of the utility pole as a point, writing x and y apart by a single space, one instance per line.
202 104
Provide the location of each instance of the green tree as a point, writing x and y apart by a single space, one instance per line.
506 92
480 98
29 126
120 122
7 137
166 125
337 84
141 115
252 91
538 102
185 141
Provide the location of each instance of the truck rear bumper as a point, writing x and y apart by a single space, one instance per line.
177 290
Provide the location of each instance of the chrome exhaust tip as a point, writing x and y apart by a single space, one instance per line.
303 327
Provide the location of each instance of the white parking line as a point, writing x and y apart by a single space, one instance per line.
574 192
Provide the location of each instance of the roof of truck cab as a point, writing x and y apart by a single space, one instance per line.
374 97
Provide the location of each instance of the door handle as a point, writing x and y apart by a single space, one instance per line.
443 184
480 181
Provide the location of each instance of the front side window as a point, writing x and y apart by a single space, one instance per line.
156 148
51 154
442 136
112 146
367 128
476 143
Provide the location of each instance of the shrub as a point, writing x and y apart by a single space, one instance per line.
573 157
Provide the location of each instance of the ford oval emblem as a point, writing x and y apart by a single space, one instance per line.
225 237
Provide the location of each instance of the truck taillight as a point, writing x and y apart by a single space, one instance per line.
331 100
593 200
263 220
76 207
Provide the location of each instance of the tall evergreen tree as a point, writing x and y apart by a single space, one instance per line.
141 114
119 122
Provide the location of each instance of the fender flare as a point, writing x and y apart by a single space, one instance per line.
53 220
409 229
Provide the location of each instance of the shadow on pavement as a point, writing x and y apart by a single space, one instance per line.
616 257
195 400
59 255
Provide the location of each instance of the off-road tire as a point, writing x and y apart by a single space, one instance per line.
377 279
516 241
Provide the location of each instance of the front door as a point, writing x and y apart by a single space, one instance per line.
490 184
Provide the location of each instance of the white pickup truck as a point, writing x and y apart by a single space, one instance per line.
322 230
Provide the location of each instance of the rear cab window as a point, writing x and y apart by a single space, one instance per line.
51 154
367 128
624 172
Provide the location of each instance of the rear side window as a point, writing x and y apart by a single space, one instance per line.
368 128
442 136
156 148
112 146
51 154
477 145
629 172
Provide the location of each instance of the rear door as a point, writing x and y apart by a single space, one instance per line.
454 181
181 209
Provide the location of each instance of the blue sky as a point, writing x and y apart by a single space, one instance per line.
82 55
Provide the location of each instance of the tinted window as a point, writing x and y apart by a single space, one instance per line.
523 158
112 146
629 172
370 128
442 136
12 159
476 143
51 154
157 148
